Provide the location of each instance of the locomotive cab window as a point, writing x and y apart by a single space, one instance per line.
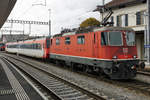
67 40
80 39
57 41
130 38
115 38
104 38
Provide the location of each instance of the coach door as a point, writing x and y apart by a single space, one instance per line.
95 45
47 47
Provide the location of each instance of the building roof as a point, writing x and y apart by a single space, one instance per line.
5 8
122 3
115 4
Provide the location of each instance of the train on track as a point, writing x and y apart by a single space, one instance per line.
108 50
2 46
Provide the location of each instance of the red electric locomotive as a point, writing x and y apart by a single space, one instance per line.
105 49
110 50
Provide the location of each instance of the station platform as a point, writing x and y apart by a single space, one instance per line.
13 86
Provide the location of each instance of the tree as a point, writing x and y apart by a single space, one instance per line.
90 22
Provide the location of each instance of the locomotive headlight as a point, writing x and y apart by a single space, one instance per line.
133 67
114 57
134 57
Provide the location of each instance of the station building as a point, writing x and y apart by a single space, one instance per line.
130 13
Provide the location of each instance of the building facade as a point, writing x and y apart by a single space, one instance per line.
130 13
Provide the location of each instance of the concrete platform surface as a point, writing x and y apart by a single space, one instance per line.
13 86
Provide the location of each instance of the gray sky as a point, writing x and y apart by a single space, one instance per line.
64 13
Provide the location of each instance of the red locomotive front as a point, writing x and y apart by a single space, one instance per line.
118 49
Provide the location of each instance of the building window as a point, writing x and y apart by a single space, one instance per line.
57 41
122 20
140 18
112 20
67 40
81 39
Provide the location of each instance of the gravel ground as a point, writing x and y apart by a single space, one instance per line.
143 78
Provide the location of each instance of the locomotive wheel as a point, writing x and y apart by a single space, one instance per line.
72 67
88 69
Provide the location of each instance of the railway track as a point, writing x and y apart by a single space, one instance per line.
133 85
143 73
62 89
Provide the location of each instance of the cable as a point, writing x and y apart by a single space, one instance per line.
24 12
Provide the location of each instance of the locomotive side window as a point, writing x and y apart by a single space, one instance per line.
115 38
57 41
104 38
94 39
67 40
81 39
130 38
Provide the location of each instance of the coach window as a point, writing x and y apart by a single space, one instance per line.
57 41
40 47
104 38
81 39
67 40
34 46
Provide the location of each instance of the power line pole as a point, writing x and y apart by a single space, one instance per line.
49 10
103 9
148 32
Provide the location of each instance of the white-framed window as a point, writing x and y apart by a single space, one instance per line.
122 20
140 18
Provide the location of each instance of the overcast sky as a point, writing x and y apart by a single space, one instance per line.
64 13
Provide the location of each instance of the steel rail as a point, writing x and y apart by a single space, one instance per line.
143 73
